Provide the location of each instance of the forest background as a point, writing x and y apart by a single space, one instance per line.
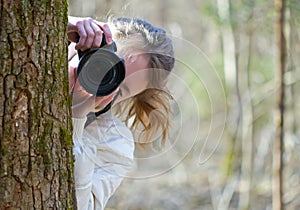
227 107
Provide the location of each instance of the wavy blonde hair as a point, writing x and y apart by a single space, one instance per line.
148 111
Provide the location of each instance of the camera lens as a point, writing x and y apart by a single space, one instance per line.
100 72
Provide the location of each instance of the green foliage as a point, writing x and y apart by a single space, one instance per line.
227 168
262 70
209 9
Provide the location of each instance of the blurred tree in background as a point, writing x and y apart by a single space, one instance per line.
227 75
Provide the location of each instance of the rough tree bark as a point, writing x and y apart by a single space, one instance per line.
36 161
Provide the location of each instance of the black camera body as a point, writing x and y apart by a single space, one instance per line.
100 70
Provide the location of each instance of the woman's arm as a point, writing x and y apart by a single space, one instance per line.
114 158
84 165
103 157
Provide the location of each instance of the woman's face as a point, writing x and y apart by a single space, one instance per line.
136 78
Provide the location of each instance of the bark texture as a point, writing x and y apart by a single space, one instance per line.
36 162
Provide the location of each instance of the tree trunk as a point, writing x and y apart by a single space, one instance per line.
232 81
36 161
278 143
228 43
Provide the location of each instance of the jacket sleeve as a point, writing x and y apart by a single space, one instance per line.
100 166
84 166
113 162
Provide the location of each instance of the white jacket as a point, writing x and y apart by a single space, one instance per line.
103 156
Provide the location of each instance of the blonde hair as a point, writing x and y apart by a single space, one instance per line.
150 109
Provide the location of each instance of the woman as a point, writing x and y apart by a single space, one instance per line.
104 148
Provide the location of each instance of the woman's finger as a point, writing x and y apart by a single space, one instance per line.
98 35
106 30
90 34
82 35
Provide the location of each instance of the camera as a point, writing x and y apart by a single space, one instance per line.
100 70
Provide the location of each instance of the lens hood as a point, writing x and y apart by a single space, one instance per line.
100 71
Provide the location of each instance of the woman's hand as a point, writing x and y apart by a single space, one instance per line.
82 101
90 32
